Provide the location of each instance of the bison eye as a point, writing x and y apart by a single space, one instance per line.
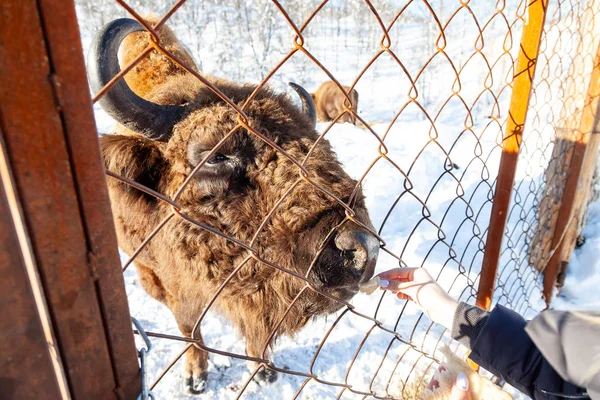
217 158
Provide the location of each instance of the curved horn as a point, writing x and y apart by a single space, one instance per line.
308 104
155 121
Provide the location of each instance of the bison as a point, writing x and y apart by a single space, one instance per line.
168 123
330 101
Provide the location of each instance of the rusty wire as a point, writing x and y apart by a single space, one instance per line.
517 281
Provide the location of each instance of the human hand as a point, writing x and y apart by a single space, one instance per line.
417 285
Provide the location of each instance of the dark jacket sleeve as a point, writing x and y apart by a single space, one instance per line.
499 344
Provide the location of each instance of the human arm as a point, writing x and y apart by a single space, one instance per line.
498 339
416 284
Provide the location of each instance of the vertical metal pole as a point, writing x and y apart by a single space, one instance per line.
517 113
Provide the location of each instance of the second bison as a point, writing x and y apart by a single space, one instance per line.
329 100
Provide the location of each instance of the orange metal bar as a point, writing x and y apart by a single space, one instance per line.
524 72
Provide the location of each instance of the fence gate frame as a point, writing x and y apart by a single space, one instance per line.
67 330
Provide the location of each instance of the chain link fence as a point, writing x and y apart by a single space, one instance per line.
559 97
435 81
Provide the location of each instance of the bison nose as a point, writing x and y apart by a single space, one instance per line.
359 251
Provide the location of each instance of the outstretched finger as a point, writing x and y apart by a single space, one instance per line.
395 286
403 296
398 274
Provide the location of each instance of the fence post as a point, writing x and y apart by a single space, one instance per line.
27 341
517 113
59 192
577 185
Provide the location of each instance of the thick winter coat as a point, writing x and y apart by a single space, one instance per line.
547 358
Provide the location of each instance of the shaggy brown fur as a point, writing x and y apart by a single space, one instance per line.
184 265
330 102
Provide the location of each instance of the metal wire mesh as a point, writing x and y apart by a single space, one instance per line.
565 63
458 92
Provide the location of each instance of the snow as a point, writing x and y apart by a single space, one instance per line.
429 197
580 291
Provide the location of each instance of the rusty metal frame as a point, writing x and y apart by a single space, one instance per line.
54 182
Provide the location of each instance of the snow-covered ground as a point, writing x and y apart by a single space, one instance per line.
431 205
580 291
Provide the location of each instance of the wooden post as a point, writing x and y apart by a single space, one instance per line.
517 113
550 200
577 185
54 183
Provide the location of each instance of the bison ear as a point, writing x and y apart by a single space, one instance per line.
136 158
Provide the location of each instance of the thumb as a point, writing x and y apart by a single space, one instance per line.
460 390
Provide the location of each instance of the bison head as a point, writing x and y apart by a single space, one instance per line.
179 131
